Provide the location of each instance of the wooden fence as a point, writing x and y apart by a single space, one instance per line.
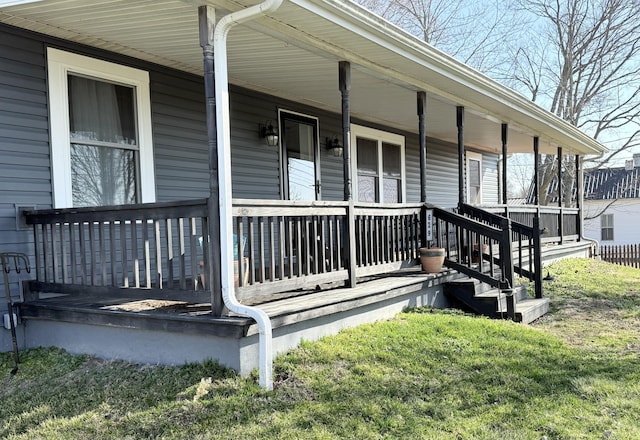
624 255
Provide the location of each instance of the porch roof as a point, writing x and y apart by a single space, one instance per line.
294 52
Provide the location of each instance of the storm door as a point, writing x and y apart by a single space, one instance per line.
301 170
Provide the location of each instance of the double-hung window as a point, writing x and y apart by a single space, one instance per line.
101 146
379 164
606 227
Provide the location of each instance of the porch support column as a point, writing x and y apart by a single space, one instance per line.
504 164
461 180
344 79
344 74
422 139
560 214
206 24
579 196
536 167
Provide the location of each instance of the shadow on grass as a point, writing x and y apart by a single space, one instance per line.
421 375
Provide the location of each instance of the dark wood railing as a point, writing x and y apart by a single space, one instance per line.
475 248
387 237
296 245
558 225
281 246
151 246
289 245
526 243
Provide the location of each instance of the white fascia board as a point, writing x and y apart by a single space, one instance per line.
495 98
5 3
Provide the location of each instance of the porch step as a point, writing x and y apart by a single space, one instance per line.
531 309
480 298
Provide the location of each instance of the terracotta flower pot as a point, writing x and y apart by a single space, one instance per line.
431 259
476 255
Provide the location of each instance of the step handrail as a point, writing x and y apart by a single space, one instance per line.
470 246
533 235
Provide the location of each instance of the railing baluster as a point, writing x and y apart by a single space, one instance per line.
83 253
168 224
261 241
182 250
198 272
38 244
307 244
112 244
72 250
54 253
284 245
134 253
157 239
340 230
298 235
251 251
103 260
272 250
92 254
123 254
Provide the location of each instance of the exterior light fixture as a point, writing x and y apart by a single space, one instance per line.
269 133
334 146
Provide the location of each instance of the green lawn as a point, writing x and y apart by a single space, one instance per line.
425 374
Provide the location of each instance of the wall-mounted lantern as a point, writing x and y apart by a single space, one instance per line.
334 146
268 133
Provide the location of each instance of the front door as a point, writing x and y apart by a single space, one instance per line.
301 174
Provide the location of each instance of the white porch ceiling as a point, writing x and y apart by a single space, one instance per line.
294 54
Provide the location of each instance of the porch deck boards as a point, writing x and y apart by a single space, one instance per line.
374 290
191 311
180 311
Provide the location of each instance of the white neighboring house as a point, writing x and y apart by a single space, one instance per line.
612 204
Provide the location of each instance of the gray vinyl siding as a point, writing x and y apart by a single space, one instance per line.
25 177
179 137
490 179
442 173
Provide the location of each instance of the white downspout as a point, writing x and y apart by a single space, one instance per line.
224 180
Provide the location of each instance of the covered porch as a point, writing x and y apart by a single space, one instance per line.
307 266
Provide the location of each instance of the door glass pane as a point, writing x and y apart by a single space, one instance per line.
299 142
367 150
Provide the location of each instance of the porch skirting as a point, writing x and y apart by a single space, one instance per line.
175 339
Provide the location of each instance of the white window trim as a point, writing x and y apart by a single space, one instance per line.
471 155
380 136
60 64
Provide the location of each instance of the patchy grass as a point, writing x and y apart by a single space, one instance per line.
425 374
595 306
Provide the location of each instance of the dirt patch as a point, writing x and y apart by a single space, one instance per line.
594 324
160 306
